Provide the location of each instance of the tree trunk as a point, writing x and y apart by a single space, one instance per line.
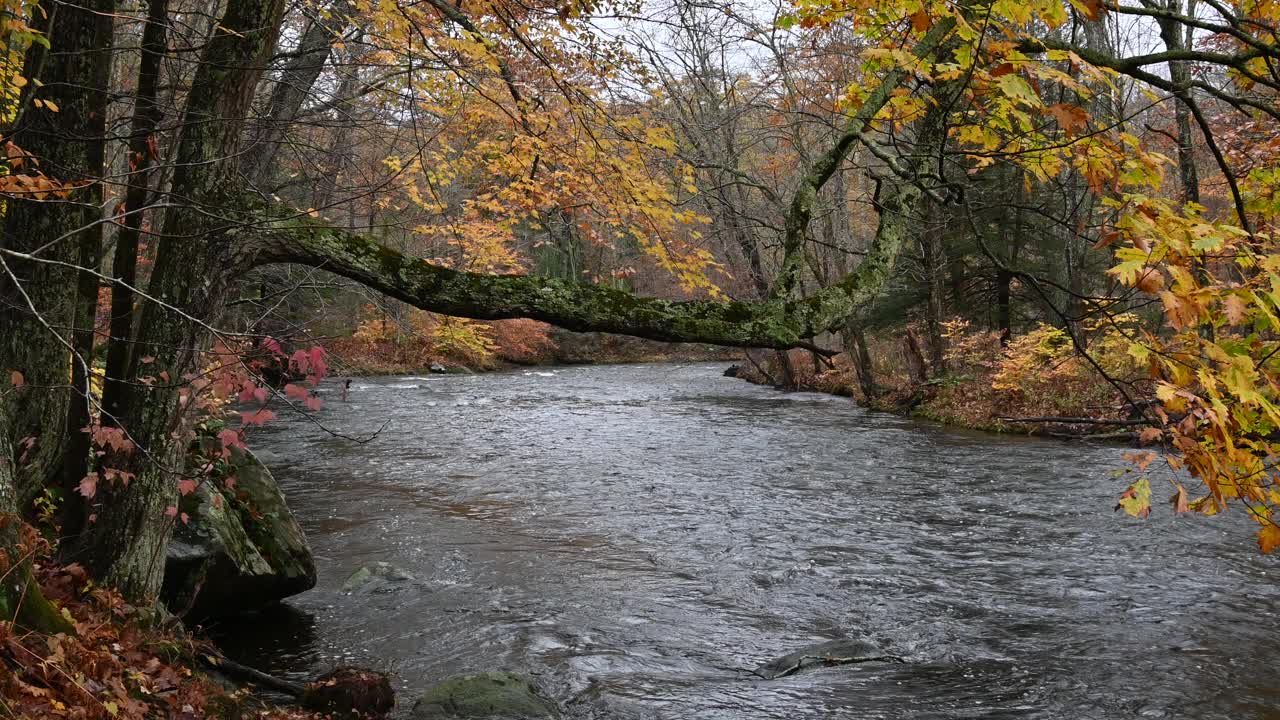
195 265
934 272
20 596
915 359
855 346
146 115
294 86
46 305
1004 279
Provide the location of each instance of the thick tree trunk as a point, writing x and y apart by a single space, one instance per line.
46 305
194 267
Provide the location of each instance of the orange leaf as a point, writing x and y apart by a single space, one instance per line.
1106 239
1091 9
1069 117
1151 281
1235 309
16 379
1268 537
1179 499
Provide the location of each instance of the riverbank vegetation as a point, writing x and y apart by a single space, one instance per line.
425 342
1018 194
1035 383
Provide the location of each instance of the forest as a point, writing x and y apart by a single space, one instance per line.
1048 216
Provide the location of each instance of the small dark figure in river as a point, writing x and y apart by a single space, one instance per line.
346 388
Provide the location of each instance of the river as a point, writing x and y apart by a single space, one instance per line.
633 536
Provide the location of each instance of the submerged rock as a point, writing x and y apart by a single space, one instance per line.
485 695
832 652
733 371
240 549
438 369
375 576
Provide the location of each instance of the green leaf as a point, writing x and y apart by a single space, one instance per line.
1015 87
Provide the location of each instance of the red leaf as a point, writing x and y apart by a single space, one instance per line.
313 403
295 392
258 417
89 485
186 486
230 438
170 511
318 366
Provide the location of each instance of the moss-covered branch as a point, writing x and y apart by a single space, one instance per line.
575 306
777 323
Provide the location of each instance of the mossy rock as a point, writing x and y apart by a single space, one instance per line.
485 695
376 577
241 548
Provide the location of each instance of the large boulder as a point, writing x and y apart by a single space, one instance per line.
240 548
497 695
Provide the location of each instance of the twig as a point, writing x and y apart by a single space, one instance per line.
1076 420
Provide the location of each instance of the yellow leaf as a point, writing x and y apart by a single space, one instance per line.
1136 500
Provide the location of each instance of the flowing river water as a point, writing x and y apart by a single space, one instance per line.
634 537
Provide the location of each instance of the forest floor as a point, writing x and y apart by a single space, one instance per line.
116 663
1036 384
